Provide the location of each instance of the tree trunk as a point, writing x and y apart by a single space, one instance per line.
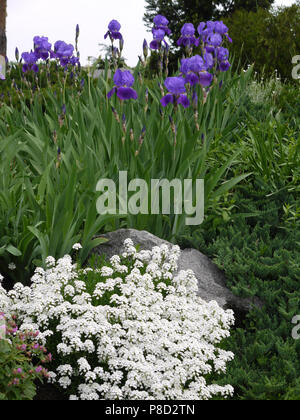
3 4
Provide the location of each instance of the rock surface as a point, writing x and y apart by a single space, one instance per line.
211 280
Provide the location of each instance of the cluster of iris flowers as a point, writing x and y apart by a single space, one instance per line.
43 51
160 31
195 70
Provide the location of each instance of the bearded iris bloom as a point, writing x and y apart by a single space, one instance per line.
30 59
222 56
195 70
204 31
224 65
205 78
176 95
161 22
64 52
222 29
213 32
123 89
159 31
158 35
114 30
188 36
42 47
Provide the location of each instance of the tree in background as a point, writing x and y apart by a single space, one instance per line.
231 6
269 39
179 12
3 6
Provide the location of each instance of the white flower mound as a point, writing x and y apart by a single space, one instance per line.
153 339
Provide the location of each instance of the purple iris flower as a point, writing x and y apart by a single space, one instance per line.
205 78
222 54
224 65
215 40
222 29
114 26
185 66
211 25
161 22
63 49
159 31
196 64
155 44
204 31
123 81
64 52
185 69
42 47
30 59
188 29
114 30
176 95
188 36
195 70
158 35
74 61
201 28
175 85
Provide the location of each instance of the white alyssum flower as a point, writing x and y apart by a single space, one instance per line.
77 247
136 331
12 266
50 262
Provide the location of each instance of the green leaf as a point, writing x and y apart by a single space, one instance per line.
14 251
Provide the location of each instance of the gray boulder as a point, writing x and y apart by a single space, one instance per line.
211 280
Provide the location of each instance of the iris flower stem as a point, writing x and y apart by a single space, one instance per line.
64 86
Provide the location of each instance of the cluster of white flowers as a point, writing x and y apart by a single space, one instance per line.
152 338
260 91
4 300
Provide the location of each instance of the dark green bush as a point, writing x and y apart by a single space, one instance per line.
269 39
260 256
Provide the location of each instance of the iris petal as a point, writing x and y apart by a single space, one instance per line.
175 85
166 100
124 93
111 92
184 101
205 78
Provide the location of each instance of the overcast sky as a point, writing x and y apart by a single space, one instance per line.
57 20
